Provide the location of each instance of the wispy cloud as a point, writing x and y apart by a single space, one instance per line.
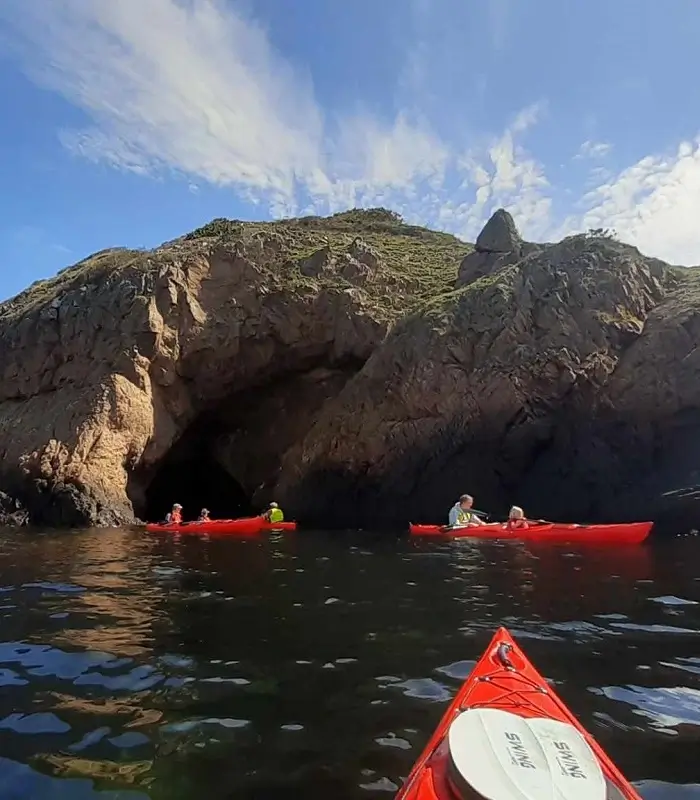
195 88
499 23
655 204
504 174
594 150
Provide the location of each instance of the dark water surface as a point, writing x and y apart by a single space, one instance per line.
314 665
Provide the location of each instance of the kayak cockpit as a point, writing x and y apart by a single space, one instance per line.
497 755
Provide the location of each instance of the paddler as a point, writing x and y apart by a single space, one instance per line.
516 520
175 515
204 516
274 513
461 515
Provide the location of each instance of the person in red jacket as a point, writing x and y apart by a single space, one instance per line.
175 515
516 520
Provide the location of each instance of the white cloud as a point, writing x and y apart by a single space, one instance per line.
593 150
197 88
504 175
194 87
653 204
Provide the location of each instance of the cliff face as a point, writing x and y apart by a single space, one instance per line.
359 370
202 360
562 377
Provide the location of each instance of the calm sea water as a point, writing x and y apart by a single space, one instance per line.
313 665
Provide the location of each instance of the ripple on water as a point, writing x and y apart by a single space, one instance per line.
392 740
187 725
459 670
584 629
631 626
136 680
672 600
661 790
9 677
380 785
21 781
44 660
63 588
129 739
690 664
667 708
41 722
424 689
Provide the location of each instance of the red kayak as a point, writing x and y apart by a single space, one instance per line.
508 736
615 533
246 526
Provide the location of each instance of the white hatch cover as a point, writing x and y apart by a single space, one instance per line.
502 756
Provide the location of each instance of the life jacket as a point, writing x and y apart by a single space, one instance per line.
517 524
175 518
464 517
276 515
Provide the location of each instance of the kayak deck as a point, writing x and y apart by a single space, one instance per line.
507 734
618 533
245 526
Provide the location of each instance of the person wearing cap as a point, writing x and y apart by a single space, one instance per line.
175 515
204 515
274 513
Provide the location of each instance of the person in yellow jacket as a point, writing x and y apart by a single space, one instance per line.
274 513
461 515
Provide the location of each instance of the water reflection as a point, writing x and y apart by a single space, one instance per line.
308 665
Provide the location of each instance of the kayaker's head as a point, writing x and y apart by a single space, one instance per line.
273 505
177 507
204 512
516 513
466 501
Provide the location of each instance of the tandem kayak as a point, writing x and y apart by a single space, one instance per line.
508 736
615 533
246 526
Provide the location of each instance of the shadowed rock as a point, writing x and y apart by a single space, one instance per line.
498 245
499 235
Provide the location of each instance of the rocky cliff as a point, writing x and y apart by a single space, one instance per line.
134 379
362 371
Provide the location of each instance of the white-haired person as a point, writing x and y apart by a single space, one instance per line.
516 520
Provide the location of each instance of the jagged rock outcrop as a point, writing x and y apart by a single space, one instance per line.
12 514
347 367
499 235
498 245
131 359
563 377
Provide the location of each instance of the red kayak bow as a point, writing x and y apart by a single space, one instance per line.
508 736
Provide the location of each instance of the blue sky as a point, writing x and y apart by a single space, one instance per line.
130 122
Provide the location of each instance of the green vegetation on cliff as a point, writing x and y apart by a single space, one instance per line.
419 263
413 264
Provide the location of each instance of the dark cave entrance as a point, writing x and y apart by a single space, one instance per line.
245 435
191 475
